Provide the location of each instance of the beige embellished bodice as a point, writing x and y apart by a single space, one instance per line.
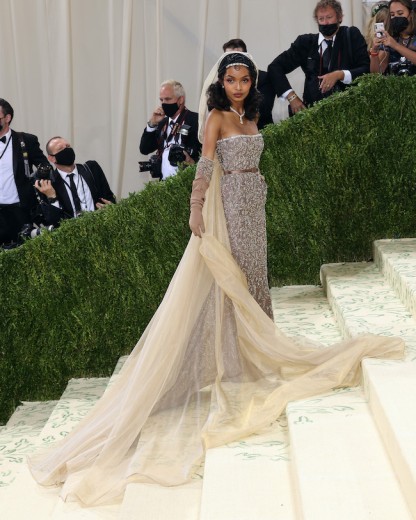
240 152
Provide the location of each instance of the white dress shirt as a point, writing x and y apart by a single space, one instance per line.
84 193
8 189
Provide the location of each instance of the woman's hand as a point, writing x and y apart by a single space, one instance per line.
386 40
196 221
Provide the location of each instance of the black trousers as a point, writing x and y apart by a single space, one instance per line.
12 219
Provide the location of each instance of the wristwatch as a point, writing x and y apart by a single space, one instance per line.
52 199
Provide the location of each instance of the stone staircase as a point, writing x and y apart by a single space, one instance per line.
346 455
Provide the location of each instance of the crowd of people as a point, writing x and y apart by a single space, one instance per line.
211 366
37 191
33 195
330 59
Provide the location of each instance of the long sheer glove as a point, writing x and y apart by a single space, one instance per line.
200 185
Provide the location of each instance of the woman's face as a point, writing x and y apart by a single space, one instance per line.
398 9
237 83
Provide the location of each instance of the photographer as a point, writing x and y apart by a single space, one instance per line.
72 188
19 152
394 50
172 131
330 59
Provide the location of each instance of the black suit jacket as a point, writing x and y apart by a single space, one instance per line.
97 182
267 91
24 185
152 141
349 53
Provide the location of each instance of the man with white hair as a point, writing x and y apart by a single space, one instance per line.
171 132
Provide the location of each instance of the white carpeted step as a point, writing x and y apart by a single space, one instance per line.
72 510
391 391
304 310
157 502
41 503
38 503
154 502
333 436
364 302
341 469
396 259
18 438
250 479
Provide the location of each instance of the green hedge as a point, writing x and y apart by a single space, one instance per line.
76 299
341 175
72 301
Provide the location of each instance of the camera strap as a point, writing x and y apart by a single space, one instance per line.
86 166
174 134
5 148
25 155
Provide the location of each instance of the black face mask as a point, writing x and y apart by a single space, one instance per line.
66 157
398 24
328 30
170 109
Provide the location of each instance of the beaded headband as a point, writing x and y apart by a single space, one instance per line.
233 59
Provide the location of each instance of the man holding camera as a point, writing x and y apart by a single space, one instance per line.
19 152
172 131
72 188
330 59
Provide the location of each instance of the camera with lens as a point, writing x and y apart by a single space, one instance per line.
403 67
176 151
153 165
44 172
33 230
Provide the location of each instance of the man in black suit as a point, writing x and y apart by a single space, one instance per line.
74 188
19 152
171 124
330 59
263 85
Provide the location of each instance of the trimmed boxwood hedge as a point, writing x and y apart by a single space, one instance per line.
339 175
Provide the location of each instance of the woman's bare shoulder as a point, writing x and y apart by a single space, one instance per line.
215 115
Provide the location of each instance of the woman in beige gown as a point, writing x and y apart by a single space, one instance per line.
211 366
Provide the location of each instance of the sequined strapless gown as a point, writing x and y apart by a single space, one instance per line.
211 367
244 197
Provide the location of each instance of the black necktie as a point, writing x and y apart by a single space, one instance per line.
3 139
326 57
77 202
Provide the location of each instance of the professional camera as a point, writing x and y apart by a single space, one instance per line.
176 151
33 230
153 165
403 67
44 172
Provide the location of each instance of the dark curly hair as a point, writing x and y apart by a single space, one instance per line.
216 95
